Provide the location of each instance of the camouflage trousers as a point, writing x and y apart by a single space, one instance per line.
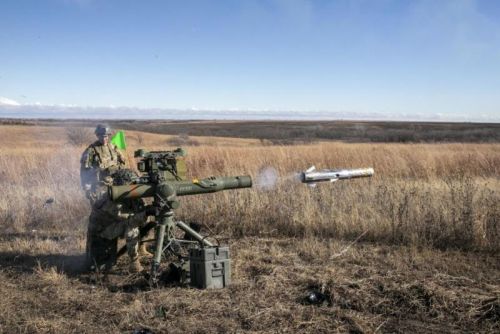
106 226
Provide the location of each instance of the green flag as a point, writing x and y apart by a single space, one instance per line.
119 140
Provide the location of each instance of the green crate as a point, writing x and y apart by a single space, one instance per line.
210 267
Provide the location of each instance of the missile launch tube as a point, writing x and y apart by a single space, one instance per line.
211 184
181 188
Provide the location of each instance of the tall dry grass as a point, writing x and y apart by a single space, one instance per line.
437 195
445 196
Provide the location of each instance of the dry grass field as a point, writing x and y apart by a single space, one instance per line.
415 248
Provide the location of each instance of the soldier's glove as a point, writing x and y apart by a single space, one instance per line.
108 181
152 210
88 191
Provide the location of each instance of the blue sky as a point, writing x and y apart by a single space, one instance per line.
359 56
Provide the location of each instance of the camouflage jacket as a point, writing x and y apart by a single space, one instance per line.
99 161
111 220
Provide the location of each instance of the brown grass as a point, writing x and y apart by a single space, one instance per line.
388 251
439 195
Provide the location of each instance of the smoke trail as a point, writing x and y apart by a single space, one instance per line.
267 178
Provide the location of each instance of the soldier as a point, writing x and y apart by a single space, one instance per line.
115 220
108 220
99 161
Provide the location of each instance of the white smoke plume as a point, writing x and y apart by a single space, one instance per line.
267 178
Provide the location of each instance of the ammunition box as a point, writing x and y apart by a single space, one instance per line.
210 267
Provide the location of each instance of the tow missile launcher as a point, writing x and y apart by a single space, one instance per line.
163 178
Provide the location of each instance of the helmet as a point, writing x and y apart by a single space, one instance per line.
102 130
124 176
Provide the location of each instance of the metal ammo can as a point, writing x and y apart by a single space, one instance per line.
210 267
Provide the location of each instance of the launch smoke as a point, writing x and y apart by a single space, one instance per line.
267 179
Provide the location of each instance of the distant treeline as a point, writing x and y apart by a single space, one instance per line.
290 132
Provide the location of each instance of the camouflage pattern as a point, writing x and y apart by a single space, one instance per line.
108 221
112 221
98 162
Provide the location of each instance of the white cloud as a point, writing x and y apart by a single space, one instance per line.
8 102
13 110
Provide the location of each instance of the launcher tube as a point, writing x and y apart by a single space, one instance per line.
181 188
211 184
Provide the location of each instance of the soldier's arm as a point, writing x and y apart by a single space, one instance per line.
122 223
121 157
87 170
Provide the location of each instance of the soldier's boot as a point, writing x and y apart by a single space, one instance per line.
135 266
143 251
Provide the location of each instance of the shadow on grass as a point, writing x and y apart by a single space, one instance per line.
72 265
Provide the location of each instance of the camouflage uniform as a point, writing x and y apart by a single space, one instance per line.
98 162
111 221
108 220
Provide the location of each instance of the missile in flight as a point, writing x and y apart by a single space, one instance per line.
311 176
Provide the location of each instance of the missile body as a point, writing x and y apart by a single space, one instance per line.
311 176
